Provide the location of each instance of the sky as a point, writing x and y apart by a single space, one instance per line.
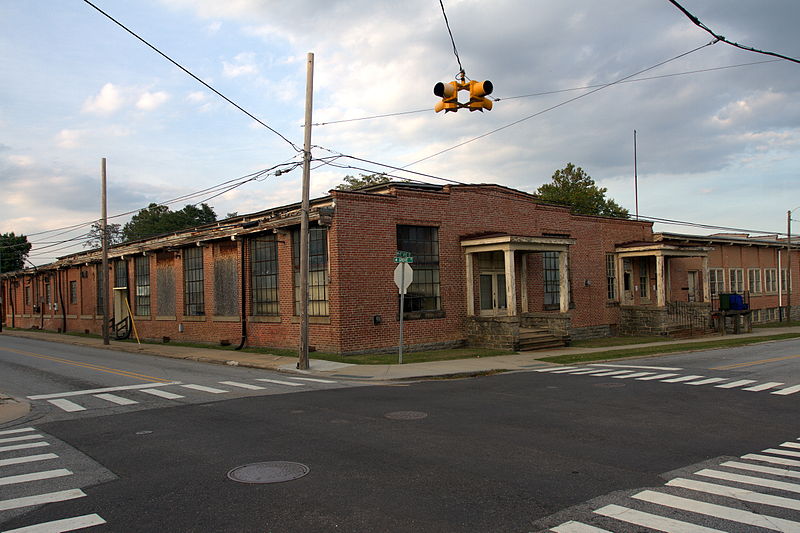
719 147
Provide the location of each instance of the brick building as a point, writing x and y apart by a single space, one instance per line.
492 266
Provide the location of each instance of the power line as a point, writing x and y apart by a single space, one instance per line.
565 102
726 41
449 31
557 91
215 91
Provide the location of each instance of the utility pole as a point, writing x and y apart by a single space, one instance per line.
789 265
2 292
302 356
635 176
104 237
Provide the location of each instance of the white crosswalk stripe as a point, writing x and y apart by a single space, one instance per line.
20 438
40 499
788 390
316 380
162 394
34 476
57 526
688 505
707 381
16 431
241 385
634 375
28 459
657 376
67 405
203 388
612 373
25 446
681 379
279 382
113 398
764 386
734 384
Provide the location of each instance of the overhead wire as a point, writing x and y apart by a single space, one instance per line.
452 40
187 71
723 39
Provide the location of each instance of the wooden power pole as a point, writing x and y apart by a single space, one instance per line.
104 239
302 357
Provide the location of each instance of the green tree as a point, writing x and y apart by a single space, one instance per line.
573 187
352 183
94 239
13 251
158 219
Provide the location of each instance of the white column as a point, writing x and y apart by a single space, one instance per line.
511 283
470 287
523 282
620 280
660 281
563 282
706 281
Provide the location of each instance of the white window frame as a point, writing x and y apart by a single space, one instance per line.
736 280
716 281
754 280
770 280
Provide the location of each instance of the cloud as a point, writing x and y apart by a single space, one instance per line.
69 138
214 27
107 101
149 101
197 97
243 64
21 160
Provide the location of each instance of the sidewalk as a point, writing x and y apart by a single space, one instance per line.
320 368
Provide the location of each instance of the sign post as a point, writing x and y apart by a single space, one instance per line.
403 276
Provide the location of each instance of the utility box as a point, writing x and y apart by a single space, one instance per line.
725 302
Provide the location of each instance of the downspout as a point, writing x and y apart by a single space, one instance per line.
243 296
61 300
13 306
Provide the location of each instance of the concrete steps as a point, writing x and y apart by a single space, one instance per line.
538 339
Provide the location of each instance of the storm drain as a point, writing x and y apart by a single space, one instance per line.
268 472
406 415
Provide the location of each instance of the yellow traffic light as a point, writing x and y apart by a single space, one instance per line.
448 92
477 92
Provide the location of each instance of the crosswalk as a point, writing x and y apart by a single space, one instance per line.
27 478
758 490
645 373
130 395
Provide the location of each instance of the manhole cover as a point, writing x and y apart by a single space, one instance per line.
406 415
268 472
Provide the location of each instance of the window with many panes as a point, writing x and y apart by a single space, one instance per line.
551 279
611 277
784 280
770 280
716 279
121 273
754 280
644 278
317 271
48 293
423 243
141 266
736 280
193 293
27 295
73 292
264 272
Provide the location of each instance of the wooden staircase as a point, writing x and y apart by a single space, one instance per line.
539 339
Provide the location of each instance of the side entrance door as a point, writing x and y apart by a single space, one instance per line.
493 293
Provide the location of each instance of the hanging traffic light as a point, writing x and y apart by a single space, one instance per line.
448 92
477 92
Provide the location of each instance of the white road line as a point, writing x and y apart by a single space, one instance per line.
736 493
635 366
67 405
28 459
23 446
552 368
204 389
634 375
791 444
584 370
59 526
40 499
113 398
317 380
577 527
707 381
788 390
242 385
653 521
106 389
13 431
162 394
733 384
749 480
718 511
562 371
781 452
34 476
279 382
682 378
764 386
773 460
657 376
763 469
612 373
21 437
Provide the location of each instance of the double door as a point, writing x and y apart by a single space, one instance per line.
493 293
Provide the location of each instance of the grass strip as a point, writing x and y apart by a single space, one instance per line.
668 348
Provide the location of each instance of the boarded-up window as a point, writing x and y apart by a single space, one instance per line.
226 280
165 284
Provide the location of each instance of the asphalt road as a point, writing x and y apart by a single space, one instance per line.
506 453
